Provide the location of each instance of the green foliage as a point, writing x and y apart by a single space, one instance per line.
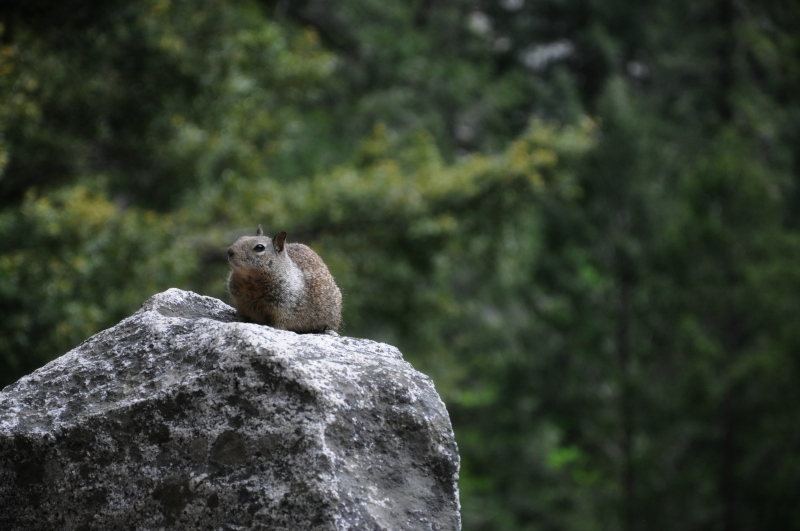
159 98
73 263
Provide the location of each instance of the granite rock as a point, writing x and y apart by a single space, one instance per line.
179 417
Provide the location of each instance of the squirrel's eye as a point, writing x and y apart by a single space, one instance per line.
258 248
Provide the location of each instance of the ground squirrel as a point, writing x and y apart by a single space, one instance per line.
283 285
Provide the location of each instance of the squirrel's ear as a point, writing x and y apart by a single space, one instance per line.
279 240
259 231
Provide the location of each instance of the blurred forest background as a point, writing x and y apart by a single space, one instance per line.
580 218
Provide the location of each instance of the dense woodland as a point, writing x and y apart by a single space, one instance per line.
580 218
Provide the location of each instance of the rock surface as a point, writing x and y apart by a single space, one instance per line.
181 418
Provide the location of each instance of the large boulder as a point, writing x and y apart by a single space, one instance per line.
180 417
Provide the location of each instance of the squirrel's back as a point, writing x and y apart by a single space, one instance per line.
285 286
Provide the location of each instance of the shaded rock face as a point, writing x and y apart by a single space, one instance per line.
180 417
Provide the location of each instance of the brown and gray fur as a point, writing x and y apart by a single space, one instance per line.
282 285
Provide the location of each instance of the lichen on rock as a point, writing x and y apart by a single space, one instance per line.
180 417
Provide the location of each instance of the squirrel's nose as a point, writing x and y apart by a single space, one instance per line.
230 251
